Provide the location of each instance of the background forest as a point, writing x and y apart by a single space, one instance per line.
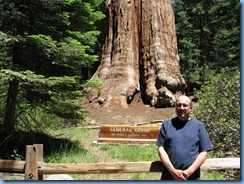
50 49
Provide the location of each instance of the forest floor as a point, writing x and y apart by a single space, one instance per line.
137 113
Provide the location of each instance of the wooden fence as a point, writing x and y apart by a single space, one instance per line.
34 168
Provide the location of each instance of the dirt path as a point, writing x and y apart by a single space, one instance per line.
88 144
101 156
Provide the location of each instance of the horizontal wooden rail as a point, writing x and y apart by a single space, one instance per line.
106 168
221 163
12 166
128 167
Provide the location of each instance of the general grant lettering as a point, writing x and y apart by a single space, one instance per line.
120 130
138 130
142 130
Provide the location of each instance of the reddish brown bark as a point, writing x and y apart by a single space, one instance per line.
140 54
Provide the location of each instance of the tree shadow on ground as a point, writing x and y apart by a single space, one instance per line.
14 146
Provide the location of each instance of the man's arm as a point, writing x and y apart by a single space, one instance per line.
176 173
196 164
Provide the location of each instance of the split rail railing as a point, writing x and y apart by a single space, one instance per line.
34 168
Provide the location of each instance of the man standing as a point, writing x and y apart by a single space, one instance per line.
183 144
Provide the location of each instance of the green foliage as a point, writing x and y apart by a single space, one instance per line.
51 38
3 92
212 175
16 155
50 98
93 83
219 108
208 34
226 39
47 46
5 43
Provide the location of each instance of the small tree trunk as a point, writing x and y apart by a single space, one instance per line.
140 54
10 107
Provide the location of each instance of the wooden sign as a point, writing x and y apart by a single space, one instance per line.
128 134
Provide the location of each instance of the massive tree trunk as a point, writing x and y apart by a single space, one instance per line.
140 54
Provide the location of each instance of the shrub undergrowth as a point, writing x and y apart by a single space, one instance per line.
218 108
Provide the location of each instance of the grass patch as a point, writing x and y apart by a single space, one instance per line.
212 175
73 133
146 176
132 153
71 154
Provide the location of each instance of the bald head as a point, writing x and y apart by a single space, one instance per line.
185 99
183 107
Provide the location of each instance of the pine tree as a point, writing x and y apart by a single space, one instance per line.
46 44
208 35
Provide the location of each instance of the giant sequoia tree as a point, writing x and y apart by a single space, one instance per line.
140 55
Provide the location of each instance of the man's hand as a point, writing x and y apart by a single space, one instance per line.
179 174
186 174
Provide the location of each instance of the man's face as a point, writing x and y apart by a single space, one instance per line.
183 108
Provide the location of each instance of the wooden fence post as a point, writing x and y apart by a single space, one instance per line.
39 157
31 163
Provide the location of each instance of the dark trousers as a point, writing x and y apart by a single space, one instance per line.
167 176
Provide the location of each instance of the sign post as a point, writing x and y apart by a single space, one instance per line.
128 134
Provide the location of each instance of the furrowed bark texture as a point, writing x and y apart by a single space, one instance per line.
140 54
